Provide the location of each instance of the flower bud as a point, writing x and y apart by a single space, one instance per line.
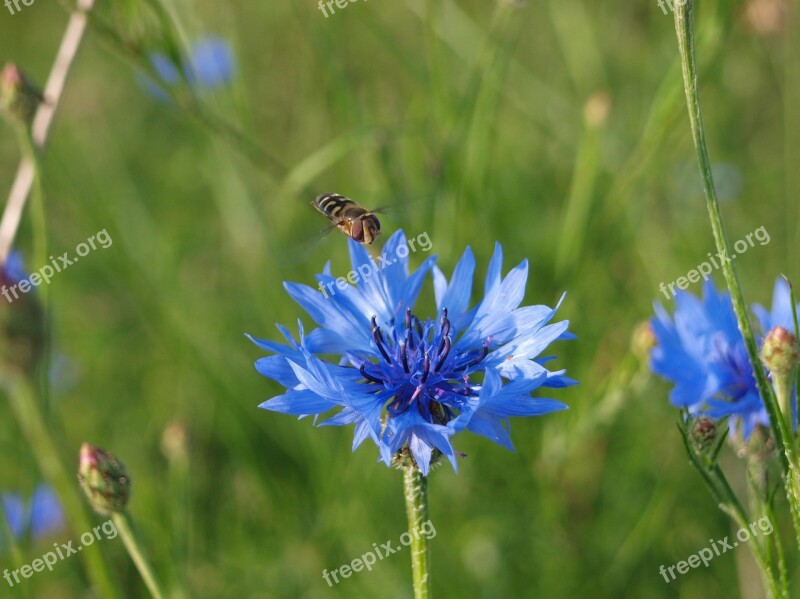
596 109
768 18
174 442
780 352
103 479
643 340
18 98
704 432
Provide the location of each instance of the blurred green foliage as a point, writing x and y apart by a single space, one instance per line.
469 119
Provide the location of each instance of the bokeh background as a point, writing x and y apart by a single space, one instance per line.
556 127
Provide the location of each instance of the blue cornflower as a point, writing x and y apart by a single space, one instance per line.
13 271
780 315
209 65
40 516
703 353
408 383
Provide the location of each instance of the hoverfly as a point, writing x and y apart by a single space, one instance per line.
355 221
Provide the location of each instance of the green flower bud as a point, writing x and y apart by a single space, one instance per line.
704 432
103 479
18 98
643 341
780 352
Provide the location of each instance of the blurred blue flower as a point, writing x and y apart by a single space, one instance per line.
165 68
13 271
405 382
14 510
209 65
780 315
703 353
41 516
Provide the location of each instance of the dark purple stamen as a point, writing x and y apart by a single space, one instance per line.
378 337
363 371
479 358
443 354
408 318
426 368
404 355
445 328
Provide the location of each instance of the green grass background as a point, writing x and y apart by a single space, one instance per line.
466 118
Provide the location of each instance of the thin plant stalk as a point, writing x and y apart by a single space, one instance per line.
684 28
25 407
42 120
416 490
7 535
721 491
124 526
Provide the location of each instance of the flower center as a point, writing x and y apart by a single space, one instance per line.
420 369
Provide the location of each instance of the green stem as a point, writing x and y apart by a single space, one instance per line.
7 535
769 511
734 509
28 150
783 390
720 489
124 526
416 490
26 409
684 27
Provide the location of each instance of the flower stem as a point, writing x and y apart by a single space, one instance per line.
721 491
783 383
416 490
122 521
22 401
24 179
684 28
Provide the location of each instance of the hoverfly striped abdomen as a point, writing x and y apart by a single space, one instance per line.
350 218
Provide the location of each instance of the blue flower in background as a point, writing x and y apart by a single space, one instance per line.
780 315
209 65
165 69
39 517
703 353
410 383
13 271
